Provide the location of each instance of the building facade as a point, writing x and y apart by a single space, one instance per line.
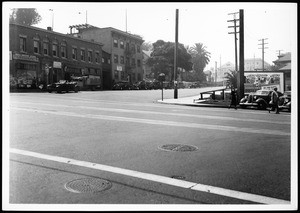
41 56
255 64
124 48
283 63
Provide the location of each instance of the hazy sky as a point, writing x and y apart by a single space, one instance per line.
198 23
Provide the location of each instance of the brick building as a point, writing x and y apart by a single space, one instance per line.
125 50
44 56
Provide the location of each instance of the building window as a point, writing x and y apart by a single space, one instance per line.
116 75
103 60
54 50
36 46
74 53
46 48
97 57
139 63
122 60
115 43
127 61
138 48
108 60
90 56
82 55
22 44
132 48
63 51
122 44
116 58
133 62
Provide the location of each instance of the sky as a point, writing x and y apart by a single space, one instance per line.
205 23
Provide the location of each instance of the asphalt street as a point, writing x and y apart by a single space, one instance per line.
125 138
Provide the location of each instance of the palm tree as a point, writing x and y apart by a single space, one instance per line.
200 56
231 77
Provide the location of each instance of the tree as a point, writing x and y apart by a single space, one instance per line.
200 58
25 16
231 77
147 46
162 58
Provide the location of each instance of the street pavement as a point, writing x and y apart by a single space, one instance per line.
242 156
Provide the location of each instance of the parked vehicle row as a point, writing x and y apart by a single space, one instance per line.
140 85
261 99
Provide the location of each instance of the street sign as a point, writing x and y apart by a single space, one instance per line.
47 69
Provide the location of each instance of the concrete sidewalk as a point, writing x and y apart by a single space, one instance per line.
192 101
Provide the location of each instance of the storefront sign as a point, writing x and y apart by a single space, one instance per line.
56 64
25 57
119 68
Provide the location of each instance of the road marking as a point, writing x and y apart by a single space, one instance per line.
156 178
161 113
160 122
154 105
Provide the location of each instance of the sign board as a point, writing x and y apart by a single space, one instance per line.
56 64
119 68
47 69
25 57
263 80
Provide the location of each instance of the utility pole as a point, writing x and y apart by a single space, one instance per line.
216 72
235 39
241 78
279 52
175 56
263 52
126 20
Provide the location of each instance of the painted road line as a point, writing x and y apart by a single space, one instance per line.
85 100
162 113
156 178
160 122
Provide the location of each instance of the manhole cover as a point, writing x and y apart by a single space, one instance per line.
178 147
88 185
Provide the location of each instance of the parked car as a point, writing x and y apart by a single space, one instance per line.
63 85
123 85
285 101
259 99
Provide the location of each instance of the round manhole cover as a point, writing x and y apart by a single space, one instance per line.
88 185
178 147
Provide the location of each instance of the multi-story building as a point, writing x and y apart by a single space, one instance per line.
44 56
255 64
222 70
125 50
283 63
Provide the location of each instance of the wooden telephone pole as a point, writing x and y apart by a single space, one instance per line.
263 52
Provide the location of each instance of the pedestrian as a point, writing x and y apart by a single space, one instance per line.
274 101
233 99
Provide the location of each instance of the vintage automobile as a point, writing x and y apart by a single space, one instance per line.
63 85
285 101
259 99
123 85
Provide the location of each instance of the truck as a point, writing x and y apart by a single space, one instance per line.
88 82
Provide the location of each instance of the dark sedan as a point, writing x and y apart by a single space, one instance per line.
259 99
63 86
